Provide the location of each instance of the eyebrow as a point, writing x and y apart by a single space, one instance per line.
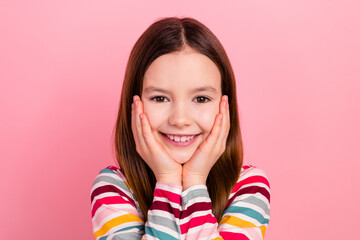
199 89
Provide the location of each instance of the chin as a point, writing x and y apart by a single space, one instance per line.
181 159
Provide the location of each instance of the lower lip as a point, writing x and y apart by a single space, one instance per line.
179 144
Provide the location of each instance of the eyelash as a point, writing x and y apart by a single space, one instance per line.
156 98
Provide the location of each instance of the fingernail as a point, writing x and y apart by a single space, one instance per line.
141 116
226 98
224 103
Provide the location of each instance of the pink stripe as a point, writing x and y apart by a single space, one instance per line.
202 233
109 211
254 233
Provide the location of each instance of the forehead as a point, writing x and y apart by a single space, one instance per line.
182 70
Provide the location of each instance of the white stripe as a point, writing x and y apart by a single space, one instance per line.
176 190
107 194
251 206
213 236
251 173
165 214
199 228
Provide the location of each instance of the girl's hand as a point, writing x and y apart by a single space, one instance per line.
156 157
197 169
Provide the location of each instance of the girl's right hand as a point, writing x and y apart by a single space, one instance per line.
156 157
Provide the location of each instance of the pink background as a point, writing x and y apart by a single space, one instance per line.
297 69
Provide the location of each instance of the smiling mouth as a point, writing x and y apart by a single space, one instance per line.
180 140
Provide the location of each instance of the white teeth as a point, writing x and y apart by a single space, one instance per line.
180 139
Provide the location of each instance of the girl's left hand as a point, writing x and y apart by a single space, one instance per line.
197 169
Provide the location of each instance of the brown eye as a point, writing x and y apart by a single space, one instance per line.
202 99
158 99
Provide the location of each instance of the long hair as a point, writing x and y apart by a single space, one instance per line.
165 36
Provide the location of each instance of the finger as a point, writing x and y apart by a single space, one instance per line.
138 111
147 134
133 124
224 109
212 139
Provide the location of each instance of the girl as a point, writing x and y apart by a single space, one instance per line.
178 146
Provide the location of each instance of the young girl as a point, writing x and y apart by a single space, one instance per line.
179 147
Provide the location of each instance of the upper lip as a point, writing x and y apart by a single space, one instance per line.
181 135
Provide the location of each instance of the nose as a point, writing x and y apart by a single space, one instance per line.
180 116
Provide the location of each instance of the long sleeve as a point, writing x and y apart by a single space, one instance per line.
246 216
116 214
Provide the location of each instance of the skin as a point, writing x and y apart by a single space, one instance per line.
171 104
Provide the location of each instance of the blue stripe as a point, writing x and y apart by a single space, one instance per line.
161 235
106 170
249 212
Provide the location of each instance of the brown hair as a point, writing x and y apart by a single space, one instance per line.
165 36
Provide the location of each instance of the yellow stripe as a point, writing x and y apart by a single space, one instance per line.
238 222
115 222
235 221
218 238
263 228
127 184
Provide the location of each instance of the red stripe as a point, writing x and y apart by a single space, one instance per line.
108 201
256 179
110 189
247 166
172 197
164 206
112 168
233 236
197 221
253 179
199 206
250 190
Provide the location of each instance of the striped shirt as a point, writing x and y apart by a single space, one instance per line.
176 214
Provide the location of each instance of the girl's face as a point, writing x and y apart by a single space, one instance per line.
181 96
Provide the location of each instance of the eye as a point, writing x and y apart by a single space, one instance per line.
158 99
202 99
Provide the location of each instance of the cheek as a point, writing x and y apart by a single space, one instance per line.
206 117
155 114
